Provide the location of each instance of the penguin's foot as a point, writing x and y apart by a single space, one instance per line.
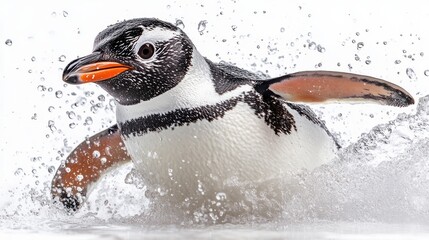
71 202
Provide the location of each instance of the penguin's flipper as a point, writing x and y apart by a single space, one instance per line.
322 86
85 165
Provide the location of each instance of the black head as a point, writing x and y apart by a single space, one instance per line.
135 60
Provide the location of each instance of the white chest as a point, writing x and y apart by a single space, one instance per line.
238 148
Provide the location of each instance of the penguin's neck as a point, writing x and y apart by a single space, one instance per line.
195 90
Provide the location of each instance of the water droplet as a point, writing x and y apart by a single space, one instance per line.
34 117
360 45
397 61
385 43
62 58
33 58
68 169
368 62
282 29
357 58
422 54
71 114
371 115
51 169
95 154
410 73
180 24
202 26
58 94
312 46
51 108
320 49
234 27
8 42
88 121
41 88
112 103
101 98
79 177
221 196
53 14
426 73
65 14
103 160
51 125
18 171
34 171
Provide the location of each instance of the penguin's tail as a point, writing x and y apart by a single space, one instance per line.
327 86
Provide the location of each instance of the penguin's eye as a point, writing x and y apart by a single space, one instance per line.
146 51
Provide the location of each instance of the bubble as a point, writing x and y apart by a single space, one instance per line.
58 94
422 54
33 58
62 58
34 117
360 45
65 14
8 42
180 24
103 160
53 14
385 43
234 27
202 26
282 29
68 169
368 62
51 108
410 73
397 61
426 73
72 125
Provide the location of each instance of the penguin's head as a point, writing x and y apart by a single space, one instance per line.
135 60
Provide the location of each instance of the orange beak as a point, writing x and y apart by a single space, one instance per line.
89 69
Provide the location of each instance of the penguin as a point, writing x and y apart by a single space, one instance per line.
198 132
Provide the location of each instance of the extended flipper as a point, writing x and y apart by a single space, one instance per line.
86 164
322 86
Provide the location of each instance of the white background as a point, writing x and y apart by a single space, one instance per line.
274 37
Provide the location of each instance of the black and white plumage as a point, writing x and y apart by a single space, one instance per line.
194 128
